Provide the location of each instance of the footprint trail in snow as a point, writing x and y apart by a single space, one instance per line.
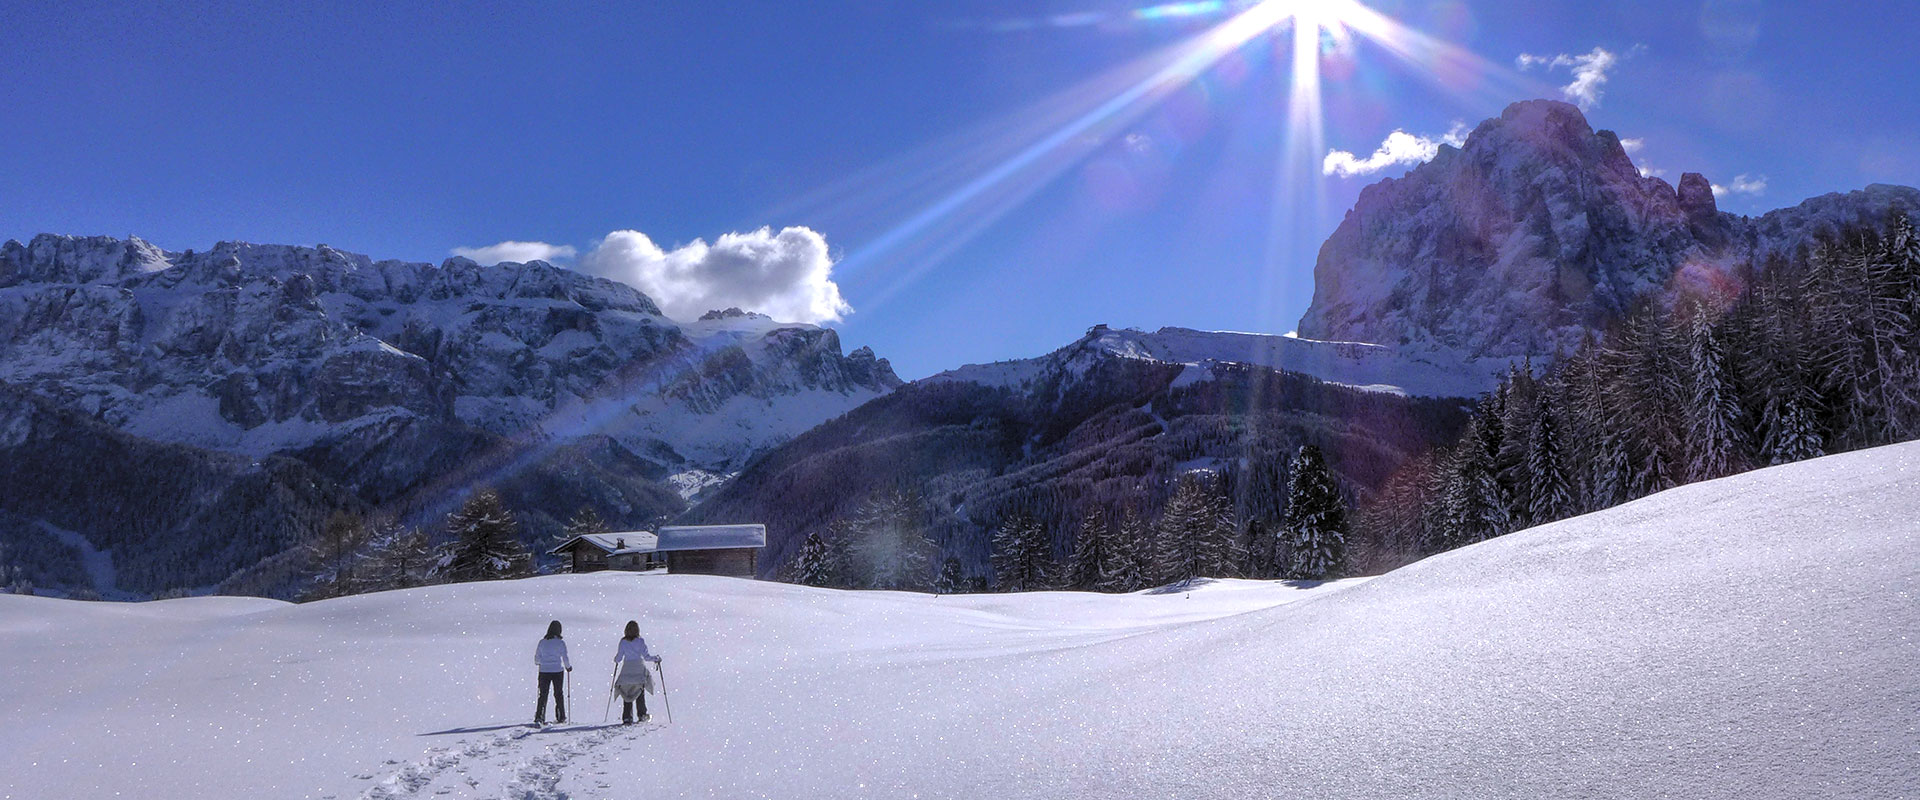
524 764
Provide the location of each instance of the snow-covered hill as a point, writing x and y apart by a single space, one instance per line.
1748 637
1358 365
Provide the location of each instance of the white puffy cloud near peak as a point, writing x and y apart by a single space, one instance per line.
1399 148
1589 71
787 275
1742 184
517 252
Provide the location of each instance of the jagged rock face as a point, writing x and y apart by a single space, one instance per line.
1536 231
265 348
399 385
1537 227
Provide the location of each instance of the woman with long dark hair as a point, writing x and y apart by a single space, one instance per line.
631 681
550 656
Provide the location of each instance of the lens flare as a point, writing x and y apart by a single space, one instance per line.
956 188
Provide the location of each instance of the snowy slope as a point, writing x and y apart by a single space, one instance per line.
1749 637
1360 365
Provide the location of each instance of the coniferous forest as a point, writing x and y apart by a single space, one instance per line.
1806 356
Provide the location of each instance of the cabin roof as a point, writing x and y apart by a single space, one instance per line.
712 537
610 543
671 537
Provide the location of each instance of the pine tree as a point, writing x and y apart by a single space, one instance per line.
1019 554
1713 415
485 541
398 558
1646 392
814 565
1316 519
1550 491
335 554
952 580
583 522
1092 550
1224 552
889 545
1188 534
1126 571
1263 507
1519 402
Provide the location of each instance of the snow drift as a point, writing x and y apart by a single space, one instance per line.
1748 637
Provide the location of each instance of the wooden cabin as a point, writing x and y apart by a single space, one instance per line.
629 551
713 549
732 550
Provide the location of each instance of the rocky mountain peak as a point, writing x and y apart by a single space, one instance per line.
731 313
1535 231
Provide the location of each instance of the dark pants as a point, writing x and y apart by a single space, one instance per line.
557 680
626 707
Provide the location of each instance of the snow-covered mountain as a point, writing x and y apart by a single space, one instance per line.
1358 365
1535 231
1740 638
266 348
406 382
1108 421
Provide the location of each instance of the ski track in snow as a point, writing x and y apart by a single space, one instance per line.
530 764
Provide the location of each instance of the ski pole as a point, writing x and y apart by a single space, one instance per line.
663 690
607 716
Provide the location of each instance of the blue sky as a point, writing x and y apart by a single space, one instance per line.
968 198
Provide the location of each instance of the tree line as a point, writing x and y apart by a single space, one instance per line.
1812 354
352 554
1204 529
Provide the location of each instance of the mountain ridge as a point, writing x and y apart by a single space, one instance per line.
410 383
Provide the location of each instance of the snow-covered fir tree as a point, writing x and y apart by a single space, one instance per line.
1093 550
1127 570
1549 490
1316 519
583 522
1262 511
1191 541
1647 391
1713 413
1020 554
1226 551
485 541
814 565
399 558
952 579
888 543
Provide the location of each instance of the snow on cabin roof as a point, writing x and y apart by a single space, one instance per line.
633 541
712 537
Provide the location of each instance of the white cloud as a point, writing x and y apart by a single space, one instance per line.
1742 184
1400 147
1635 147
785 275
1589 72
519 252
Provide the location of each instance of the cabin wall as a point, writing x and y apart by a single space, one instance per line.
735 562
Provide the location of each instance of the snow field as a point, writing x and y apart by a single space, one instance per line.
1751 637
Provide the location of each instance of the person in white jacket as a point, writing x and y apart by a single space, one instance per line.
631 681
550 656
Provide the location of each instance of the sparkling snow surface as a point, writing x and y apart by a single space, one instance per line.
1752 637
